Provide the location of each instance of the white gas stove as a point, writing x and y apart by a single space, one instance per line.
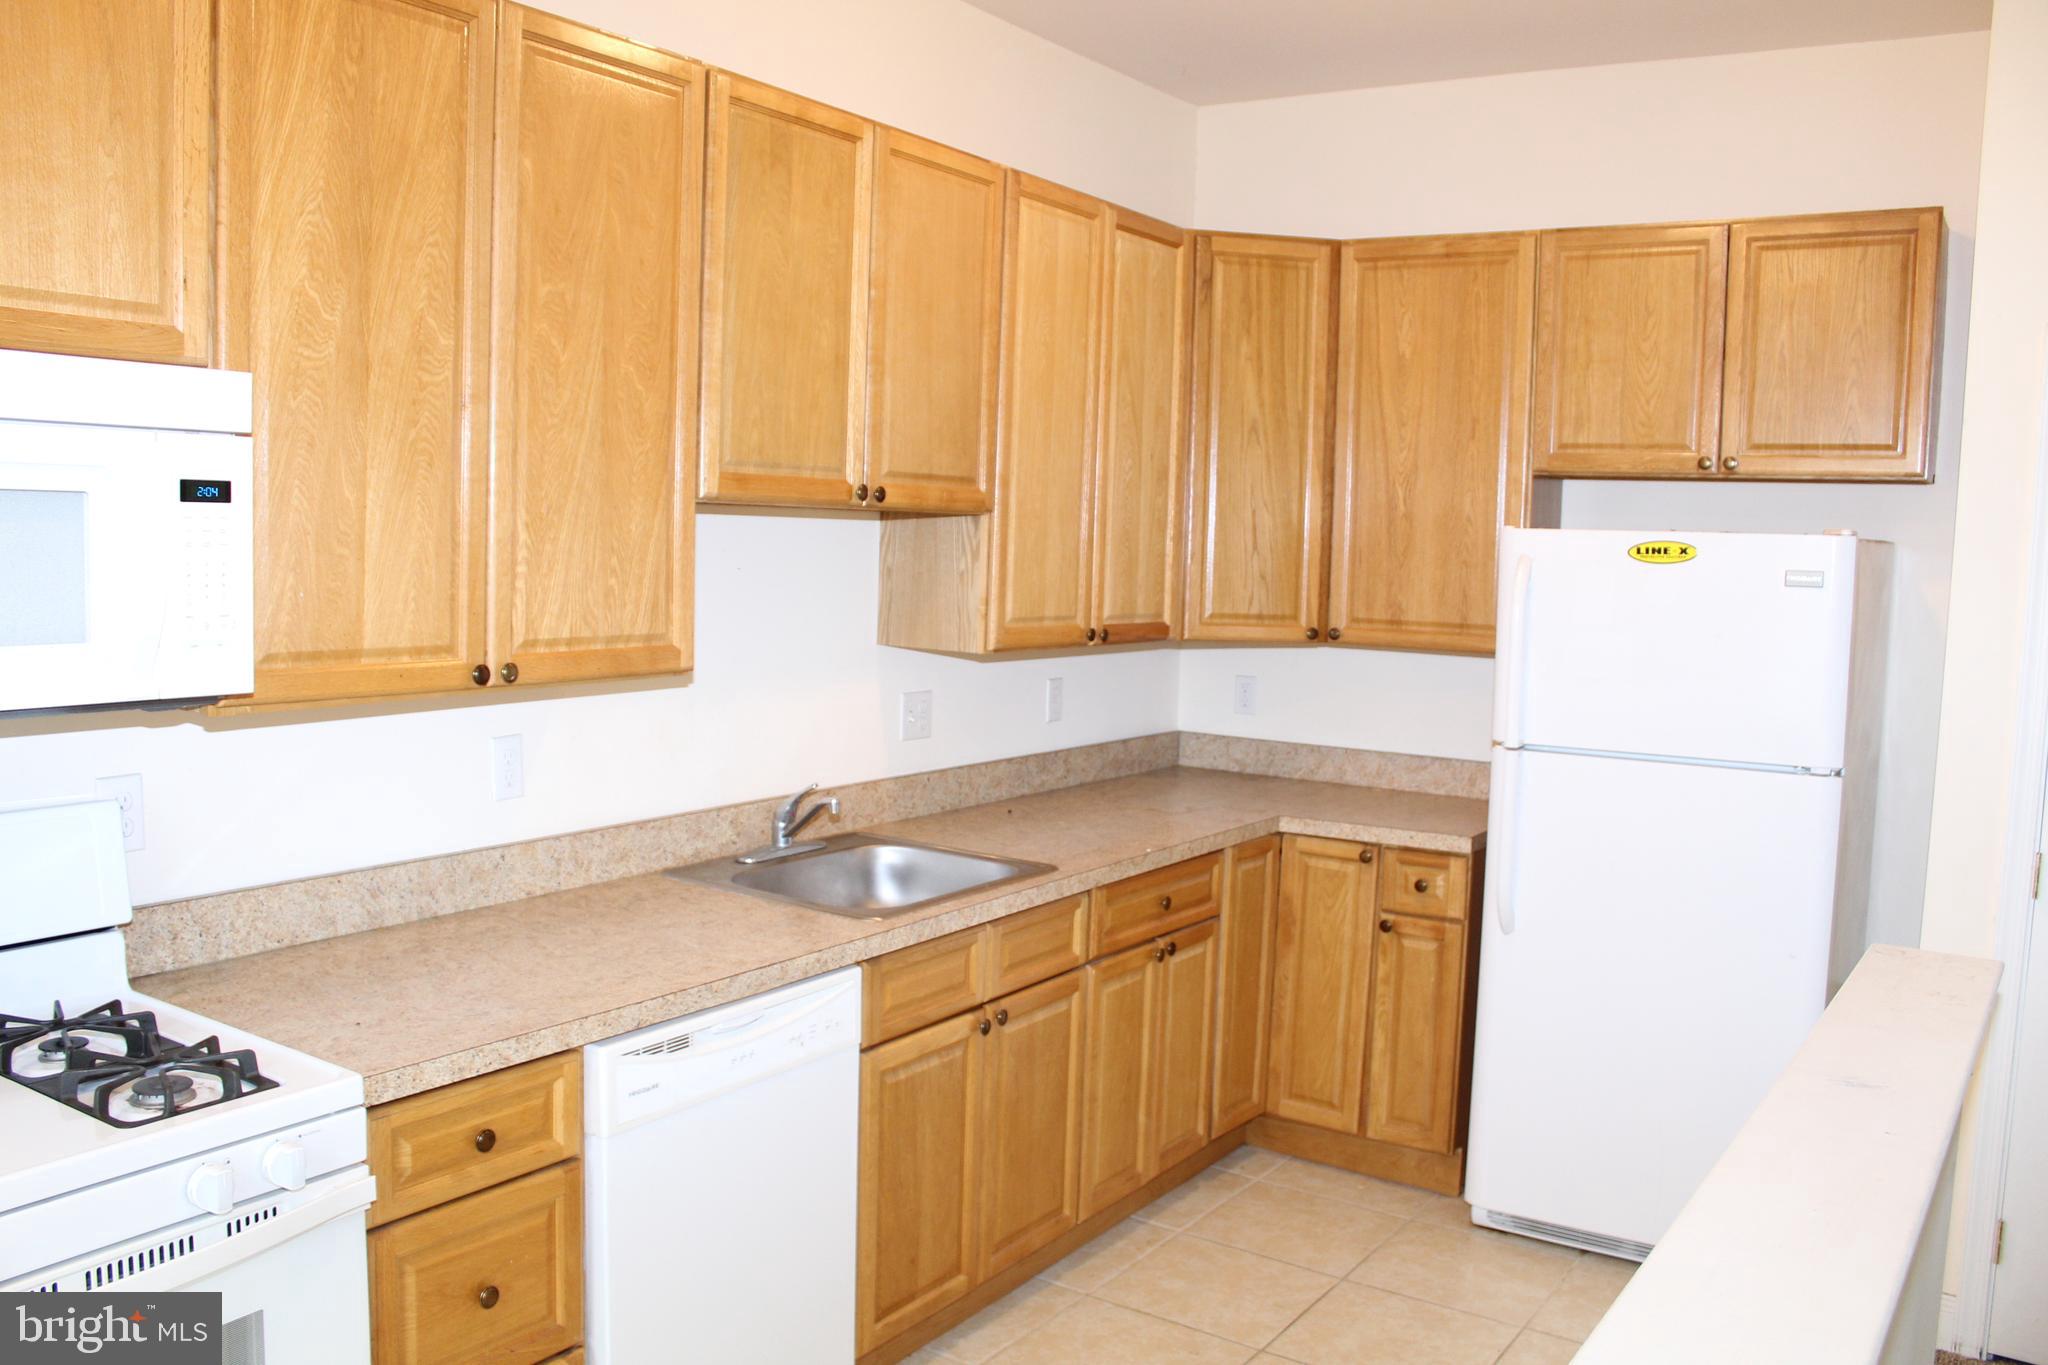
151 1149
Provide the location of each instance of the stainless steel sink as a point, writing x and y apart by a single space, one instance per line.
863 876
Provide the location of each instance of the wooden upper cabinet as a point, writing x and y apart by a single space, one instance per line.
1058 245
934 317
1418 997
1261 438
355 179
106 241
1142 450
1434 356
1831 334
786 258
1322 965
1628 350
594 324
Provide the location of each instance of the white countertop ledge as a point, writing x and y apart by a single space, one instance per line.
1799 1244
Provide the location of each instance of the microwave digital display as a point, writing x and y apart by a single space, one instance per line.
206 490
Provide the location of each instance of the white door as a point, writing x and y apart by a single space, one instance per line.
1654 950
2019 1286
1738 653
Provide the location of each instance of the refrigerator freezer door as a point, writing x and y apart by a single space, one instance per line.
1737 653
1665 952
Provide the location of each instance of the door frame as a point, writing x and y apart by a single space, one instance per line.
1966 1325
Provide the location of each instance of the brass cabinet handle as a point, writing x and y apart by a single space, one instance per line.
1313 632
1002 1016
1166 902
510 672
1335 633
1386 926
1730 463
1172 947
1365 855
1706 462
488 1296
860 492
486 1139
1422 884
984 1026
481 675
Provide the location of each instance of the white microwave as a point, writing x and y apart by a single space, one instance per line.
125 534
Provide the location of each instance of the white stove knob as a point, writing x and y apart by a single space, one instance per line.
212 1187
285 1163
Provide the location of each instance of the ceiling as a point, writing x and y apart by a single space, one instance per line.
1219 51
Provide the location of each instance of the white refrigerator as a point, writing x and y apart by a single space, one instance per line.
1678 850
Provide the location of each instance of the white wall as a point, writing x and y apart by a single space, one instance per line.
1872 125
790 685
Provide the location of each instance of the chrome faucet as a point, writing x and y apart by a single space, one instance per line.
786 825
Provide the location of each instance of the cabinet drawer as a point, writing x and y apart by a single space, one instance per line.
428 1149
1037 944
1415 882
497 1276
1135 909
922 984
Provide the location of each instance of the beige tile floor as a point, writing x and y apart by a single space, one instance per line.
1266 1258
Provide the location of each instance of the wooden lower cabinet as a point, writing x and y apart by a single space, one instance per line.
1418 978
493 1276
920 1117
1030 1120
1322 958
1244 982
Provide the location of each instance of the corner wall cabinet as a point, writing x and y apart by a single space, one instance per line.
471 472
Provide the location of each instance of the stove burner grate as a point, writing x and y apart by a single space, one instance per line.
88 1061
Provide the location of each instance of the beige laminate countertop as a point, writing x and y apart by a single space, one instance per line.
418 1005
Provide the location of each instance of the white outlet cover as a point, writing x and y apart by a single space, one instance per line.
126 792
917 715
1055 699
508 767
1244 695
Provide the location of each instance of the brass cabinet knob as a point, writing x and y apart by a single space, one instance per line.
510 672
488 1296
1166 902
1730 463
1002 1016
1172 947
1091 635
1365 855
1313 632
860 492
984 1026
1335 633
1706 462
1386 926
881 493
486 1139
1422 884
481 675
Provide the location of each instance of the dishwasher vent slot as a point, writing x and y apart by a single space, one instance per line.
663 1047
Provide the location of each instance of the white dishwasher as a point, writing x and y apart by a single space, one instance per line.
720 1180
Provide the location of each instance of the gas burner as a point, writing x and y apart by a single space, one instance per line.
116 1067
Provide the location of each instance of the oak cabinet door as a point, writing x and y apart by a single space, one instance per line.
1143 445
920 1117
1434 356
1031 1120
1417 1003
788 184
1322 974
1628 350
1261 452
1057 245
1244 991
1186 1029
1831 333
1118 1077
594 329
355 175
106 241
935 318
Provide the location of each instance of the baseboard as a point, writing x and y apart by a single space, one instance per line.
1083 1232
1443 1172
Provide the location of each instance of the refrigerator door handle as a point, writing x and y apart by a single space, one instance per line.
1501 842
1507 691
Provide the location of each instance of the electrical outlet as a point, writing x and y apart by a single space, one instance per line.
1055 699
508 767
1244 698
126 792
917 715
